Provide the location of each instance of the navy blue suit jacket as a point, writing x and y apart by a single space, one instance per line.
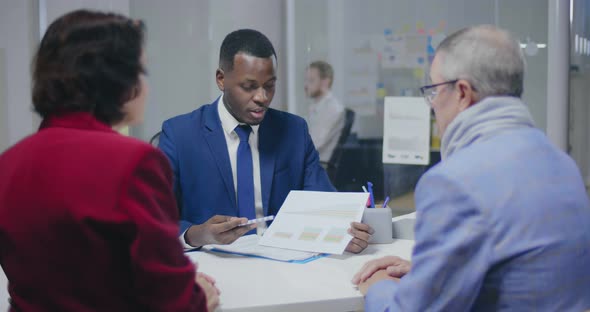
195 144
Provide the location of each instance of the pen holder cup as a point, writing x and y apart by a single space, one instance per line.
380 220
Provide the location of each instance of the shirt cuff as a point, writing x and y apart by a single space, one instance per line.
184 244
380 296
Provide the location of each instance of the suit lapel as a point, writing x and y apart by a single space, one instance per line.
216 140
266 148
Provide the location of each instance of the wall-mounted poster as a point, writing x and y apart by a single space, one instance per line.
406 131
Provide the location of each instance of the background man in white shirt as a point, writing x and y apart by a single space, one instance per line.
326 114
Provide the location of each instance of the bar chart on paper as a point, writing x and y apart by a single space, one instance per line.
315 221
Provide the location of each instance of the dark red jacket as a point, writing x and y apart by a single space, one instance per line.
88 221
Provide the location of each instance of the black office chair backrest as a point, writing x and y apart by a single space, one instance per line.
155 139
334 163
154 142
348 121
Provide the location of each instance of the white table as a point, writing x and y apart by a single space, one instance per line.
253 284
3 291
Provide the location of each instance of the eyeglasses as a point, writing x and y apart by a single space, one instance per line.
429 92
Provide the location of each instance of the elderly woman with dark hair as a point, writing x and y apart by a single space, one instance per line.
88 220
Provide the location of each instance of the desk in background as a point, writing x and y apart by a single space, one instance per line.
362 161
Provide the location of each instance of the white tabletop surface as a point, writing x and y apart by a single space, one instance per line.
3 291
253 284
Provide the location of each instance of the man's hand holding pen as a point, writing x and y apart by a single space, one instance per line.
217 230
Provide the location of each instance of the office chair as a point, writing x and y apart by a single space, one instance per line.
155 139
334 162
154 142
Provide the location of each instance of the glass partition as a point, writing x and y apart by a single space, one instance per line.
384 48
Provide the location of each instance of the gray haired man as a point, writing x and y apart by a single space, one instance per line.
502 222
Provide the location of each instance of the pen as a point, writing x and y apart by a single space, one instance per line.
267 218
385 202
368 204
370 187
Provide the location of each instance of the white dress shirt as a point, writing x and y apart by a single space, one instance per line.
229 123
326 120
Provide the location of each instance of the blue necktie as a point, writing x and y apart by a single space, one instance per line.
245 174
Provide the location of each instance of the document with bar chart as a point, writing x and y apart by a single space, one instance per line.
315 221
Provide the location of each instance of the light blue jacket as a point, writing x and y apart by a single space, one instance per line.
502 225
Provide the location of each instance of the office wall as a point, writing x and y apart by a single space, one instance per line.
178 44
266 16
579 110
52 9
330 28
312 42
397 15
528 19
184 38
17 33
579 114
183 48
3 108
20 28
